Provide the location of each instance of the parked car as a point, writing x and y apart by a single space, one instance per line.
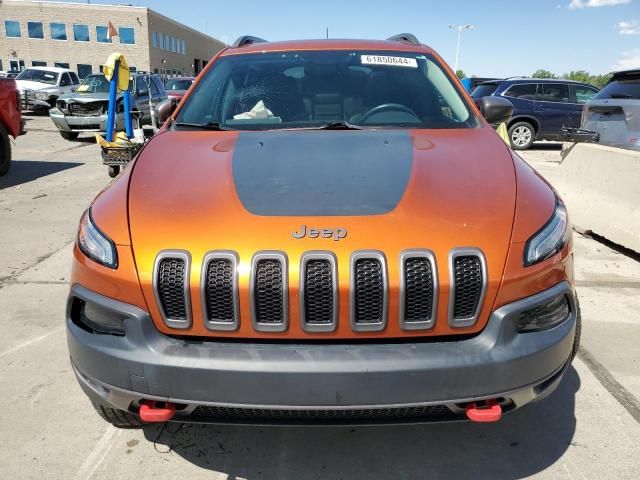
470 83
177 87
614 112
85 110
11 122
541 107
323 231
40 87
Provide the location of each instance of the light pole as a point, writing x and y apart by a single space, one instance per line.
460 28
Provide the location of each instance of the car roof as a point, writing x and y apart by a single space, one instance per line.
533 80
625 73
331 44
50 69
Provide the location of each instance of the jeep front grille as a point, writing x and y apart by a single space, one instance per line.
418 289
269 292
369 291
318 292
171 281
468 277
220 290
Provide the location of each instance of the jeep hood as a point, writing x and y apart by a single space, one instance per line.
391 190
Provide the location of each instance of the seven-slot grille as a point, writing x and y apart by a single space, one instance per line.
269 291
418 289
171 277
468 283
318 293
368 291
220 290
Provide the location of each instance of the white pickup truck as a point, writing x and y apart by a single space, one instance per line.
41 86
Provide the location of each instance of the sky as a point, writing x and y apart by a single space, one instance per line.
508 38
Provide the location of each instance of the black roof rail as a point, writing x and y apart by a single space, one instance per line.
405 37
247 40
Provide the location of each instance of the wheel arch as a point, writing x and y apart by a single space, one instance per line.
525 118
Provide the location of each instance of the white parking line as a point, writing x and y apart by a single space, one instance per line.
98 454
29 342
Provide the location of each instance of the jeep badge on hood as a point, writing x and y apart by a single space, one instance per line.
337 233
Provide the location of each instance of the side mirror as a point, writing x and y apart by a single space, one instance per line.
495 110
165 109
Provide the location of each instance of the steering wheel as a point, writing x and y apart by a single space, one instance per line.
387 106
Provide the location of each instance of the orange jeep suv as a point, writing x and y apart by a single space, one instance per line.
323 232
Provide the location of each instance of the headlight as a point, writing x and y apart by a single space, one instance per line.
95 244
550 239
41 95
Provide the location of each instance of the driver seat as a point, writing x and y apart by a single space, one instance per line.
379 90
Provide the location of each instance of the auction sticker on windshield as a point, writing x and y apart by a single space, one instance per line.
390 61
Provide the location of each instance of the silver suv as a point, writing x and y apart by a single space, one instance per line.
85 110
614 112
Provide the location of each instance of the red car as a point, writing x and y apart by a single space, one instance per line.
177 87
11 122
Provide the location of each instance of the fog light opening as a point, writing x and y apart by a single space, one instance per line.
545 315
94 319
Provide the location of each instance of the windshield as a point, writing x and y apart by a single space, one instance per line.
42 76
484 90
94 84
318 88
620 89
181 84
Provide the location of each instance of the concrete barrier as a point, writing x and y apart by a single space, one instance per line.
601 188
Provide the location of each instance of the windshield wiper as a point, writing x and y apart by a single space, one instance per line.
339 125
214 126
621 95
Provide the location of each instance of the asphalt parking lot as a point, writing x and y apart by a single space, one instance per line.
588 429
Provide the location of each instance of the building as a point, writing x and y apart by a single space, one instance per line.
75 36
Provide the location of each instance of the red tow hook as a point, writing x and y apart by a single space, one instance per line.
150 412
491 411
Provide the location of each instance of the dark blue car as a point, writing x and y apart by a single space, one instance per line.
541 107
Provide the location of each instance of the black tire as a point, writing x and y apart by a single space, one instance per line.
117 418
114 171
576 340
521 135
69 135
5 151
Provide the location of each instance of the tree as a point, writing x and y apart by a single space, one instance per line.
599 80
578 75
542 73
460 74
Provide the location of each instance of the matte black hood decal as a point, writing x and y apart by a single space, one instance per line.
322 173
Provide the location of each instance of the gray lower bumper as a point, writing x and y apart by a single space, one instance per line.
144 363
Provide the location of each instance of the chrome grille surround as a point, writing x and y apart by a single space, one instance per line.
376 326
184 256
332 322
429 321
466 321
220 324
281 258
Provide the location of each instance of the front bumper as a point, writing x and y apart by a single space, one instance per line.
244 378
30 102
74 123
